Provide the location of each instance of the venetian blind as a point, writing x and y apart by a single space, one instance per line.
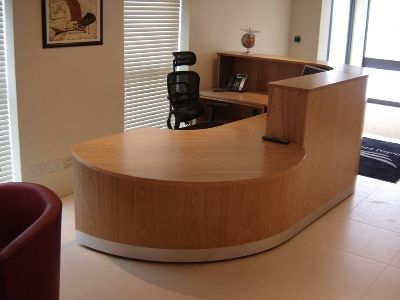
6 173
151 34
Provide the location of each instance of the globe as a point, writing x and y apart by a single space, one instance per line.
248 39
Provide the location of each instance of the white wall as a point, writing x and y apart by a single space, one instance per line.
215 26
65 95
310 20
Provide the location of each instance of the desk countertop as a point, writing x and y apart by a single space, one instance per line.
246 98
232 152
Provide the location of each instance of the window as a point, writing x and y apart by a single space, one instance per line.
6 169
362 34
340 30
151 34
382 52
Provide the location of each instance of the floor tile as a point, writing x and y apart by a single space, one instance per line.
355 237
283 287
68 220
396 260
343 209
387 286
335 270
88 274
366 185
388 192
382 121
377 213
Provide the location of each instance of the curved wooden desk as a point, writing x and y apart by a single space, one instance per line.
220 193
184 195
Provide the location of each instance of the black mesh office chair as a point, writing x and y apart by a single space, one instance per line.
183 95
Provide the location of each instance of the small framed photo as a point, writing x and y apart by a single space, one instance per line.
67 23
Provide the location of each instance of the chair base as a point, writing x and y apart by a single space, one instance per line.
202 125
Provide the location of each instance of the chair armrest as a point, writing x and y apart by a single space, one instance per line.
213 107
179 115
33 268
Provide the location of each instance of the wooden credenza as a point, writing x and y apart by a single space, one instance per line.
261 69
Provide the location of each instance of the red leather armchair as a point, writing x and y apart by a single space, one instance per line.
30 238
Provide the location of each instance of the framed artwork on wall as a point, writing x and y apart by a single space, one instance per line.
67 23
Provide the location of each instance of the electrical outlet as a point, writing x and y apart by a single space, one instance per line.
67 162
38 169
53 166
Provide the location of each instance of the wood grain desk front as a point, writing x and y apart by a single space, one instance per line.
241 105
245 98
153 194
261 70
219 193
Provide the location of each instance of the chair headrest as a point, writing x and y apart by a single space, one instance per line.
184 58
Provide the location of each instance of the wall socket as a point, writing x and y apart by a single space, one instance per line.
67 162
38 169
51 166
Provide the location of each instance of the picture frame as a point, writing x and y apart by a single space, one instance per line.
67 23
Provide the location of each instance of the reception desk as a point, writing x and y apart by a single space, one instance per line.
220 193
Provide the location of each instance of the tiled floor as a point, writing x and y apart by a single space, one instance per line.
352 252
382 121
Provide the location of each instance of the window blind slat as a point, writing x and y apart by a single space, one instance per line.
6 171
151 34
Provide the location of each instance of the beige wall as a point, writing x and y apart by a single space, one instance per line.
65 95
310 20
215 26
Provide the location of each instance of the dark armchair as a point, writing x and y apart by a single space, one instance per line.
30 237
183 95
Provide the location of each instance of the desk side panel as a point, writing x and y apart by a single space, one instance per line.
332 140
328 123
259 71
183 216
287 112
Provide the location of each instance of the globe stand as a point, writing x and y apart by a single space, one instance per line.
248 52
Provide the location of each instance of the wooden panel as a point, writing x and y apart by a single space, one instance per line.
332 141
261 69
328 122
181 216
233 113
246 98
317 81
277 58
259 72
287 114
225 69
